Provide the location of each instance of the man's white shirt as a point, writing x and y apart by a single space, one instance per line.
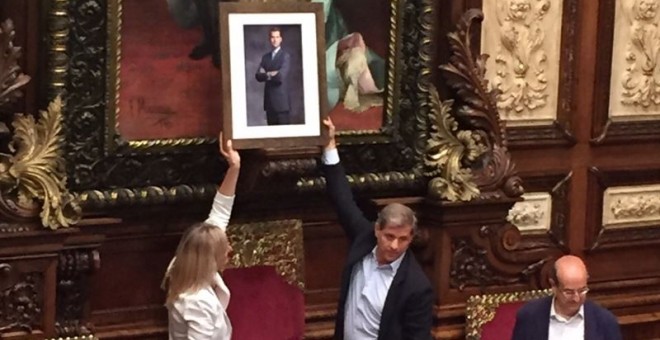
562 328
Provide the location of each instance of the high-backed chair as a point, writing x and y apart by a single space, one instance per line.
493 316
266 280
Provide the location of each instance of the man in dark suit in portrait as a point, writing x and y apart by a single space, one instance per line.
274 71
384 292
567 314
192 13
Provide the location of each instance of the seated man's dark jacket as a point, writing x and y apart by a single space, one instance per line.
407 312
533 321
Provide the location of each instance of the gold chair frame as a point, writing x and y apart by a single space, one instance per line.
481 308
271 243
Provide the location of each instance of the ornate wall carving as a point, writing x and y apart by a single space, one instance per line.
533 215
635 78
476 108
470 267
524 41
631 206
73 271
21 300
624 207
33 171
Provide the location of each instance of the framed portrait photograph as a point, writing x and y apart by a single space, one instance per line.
273 74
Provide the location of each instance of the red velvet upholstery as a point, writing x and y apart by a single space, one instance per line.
263 305
501 327
493 316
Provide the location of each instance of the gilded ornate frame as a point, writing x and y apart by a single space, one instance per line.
104 171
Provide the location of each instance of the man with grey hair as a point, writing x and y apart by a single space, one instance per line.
384 292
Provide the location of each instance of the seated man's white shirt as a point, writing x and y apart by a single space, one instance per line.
566 329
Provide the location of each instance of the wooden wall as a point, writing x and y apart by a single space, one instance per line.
118 262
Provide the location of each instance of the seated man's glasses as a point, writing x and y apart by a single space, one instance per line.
569 293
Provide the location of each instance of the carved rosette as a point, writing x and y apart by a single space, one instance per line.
73 271
21 302
494 171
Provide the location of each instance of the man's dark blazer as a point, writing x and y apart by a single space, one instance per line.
407 312
276 91
533 321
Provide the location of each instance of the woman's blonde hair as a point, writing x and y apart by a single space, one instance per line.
195 263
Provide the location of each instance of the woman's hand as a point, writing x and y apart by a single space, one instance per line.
228 152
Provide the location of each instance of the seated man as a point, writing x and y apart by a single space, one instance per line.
567 314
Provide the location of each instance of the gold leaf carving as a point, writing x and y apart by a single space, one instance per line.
641 79
447 151
272 243
36 170
520 62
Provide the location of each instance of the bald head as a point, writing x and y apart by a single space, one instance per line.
569 269
569 283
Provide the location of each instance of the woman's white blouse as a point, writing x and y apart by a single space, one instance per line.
203 314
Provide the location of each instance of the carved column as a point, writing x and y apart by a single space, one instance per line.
74 269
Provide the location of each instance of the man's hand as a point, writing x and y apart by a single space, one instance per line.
272 73
228 152
331 143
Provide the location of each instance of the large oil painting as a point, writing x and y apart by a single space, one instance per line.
166 65
357 52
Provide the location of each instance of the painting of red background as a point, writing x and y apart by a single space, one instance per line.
163 94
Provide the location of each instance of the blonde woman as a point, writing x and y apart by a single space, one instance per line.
197 297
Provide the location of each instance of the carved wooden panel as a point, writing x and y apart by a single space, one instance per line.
623 211
532 65
553 190
74 270
626 95
26 299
